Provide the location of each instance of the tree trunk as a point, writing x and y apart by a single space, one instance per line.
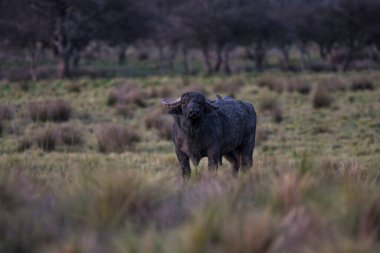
206 56
286 60
121 55
347 60
32 59
219 59
172 56
64 66
227 68
76 59
304 58
185 54
259 56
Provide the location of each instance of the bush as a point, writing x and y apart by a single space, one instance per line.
161 122
361 85
115 138
272 83
161 92
321 97
298 85
127 94
73 87
71 135
24 144
336 84
55 110
125 110
6 112
47 138
230 87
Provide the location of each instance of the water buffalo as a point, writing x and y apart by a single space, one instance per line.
225 127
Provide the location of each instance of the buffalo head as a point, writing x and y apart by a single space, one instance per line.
191 105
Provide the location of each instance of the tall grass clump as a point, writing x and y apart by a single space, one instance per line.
57 110
115 138
71 135
47 138
270 82
272 105
230 87
361 84
127 94
321 97
157 119
6 112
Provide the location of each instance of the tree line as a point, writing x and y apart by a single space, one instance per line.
342 30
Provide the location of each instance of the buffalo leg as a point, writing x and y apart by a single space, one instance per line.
183 160
234 160
246 153
214 158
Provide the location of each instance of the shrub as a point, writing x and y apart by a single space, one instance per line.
268 103
161 122
230 87
336 84
262 135
60 110
47 138
127 94
277 113
71 135
125 110
73 87
162 92
362 84
55 110
115 138
24 144
321 97
6 112
298 85
271 83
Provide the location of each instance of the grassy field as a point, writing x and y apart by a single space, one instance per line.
88 166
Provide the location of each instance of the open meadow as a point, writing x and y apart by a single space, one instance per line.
88 165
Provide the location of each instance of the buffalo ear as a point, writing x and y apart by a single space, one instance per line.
176 111
209 107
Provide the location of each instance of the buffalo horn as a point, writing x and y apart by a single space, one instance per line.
168 102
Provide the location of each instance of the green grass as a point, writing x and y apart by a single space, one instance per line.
314 186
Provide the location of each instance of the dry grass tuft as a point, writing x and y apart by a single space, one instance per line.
272 83
128 93
321 97
298 85
71 135
370 221
362 84
54 110
336 84
6 112
23 144
230 87
115 138
262 135
127 111
164 91
47 138
73 87
160 121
